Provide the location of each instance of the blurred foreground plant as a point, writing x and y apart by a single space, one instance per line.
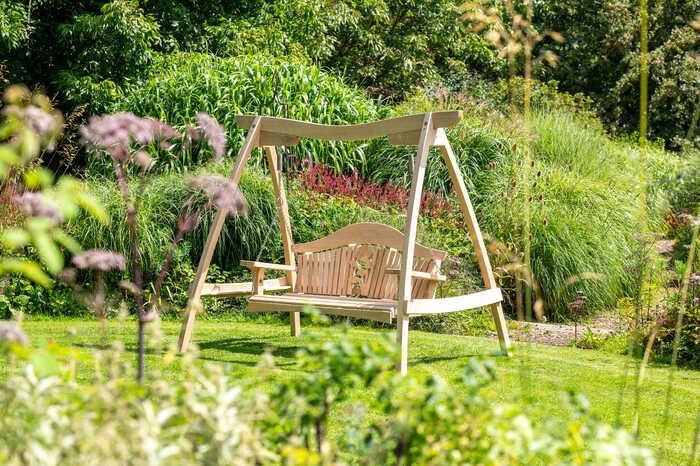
205 417
29 126
126 138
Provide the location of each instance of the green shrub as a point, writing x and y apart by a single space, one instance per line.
183 84
586 184
22 296
387 46
204 417
106 50
611 77
584 226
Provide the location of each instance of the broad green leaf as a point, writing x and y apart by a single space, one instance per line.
67 241
28 268
38 177
37 225
48 252
29 147
8 155
44 363
93 207
15 238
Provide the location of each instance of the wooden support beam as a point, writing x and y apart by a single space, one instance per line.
426 307
404 291
286 229
195 290
258 281
276 128
476 237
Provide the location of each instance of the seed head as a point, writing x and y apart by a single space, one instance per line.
37 205
223 192
214 134
99 259
11 333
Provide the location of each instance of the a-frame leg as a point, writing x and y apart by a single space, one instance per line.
195 290
426 140
286 229
474 233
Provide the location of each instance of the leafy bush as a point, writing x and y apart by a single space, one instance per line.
204 417
612 77
386 46
583 224
22 296
182 85
585 183
106 50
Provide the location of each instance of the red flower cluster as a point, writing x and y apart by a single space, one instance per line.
323 180
10 210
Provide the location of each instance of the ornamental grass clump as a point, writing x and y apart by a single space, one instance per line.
125 138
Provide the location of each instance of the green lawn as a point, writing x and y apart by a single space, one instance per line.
540 376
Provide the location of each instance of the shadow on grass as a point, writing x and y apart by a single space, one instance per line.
430 359
249 345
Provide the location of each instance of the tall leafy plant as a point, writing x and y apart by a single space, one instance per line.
123 137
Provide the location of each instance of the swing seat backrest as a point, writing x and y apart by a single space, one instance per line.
354 261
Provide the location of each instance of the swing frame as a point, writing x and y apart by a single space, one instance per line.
422 130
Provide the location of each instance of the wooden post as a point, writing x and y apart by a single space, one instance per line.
426 140
195 290
286 229
475 234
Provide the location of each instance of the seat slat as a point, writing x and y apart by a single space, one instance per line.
379 310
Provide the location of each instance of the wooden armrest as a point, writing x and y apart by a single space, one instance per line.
266 265
435 277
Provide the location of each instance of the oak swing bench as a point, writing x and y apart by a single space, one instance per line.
361 270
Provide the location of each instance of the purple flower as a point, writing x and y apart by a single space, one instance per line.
223 192
11 333
46 125
307 162
37 205
578 304
214 134
99 259
38 120
121 129
142 159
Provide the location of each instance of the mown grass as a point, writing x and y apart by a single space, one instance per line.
537 376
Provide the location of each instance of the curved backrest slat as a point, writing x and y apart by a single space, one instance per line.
367 233
279 127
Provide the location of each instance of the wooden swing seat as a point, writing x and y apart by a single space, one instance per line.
365 270
354 272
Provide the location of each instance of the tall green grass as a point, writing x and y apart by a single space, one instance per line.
241 238
182 84
583 230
